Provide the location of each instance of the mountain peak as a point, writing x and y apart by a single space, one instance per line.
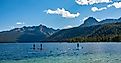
41 25
91 18
90 21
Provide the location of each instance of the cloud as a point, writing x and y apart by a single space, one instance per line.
94 9
63 12
69 26
115 4
90 2
20 23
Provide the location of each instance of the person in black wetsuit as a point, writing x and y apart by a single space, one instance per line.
41 47
33 46
77 46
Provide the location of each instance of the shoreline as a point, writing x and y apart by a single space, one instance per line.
57 42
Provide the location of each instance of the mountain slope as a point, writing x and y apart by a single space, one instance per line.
105 33
9 36
26 34
70 33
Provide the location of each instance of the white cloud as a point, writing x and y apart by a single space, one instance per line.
69 26
115 4
89 2
63 12
94 9
20 23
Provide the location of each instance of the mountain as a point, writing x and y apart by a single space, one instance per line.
64 34
90 30
109 21
90 22
27 34
105 32
119 19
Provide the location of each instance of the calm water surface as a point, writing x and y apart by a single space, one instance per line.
60 53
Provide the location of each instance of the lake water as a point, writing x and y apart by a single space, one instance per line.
60 53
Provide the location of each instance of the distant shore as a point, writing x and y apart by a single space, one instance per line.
59 42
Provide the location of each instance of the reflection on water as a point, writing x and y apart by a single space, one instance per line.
60 53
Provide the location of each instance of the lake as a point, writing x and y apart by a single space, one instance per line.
60 53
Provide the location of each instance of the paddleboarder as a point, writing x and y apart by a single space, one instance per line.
33 46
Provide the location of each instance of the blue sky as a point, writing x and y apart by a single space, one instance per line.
55 13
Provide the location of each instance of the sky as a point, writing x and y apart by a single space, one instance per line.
57 14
